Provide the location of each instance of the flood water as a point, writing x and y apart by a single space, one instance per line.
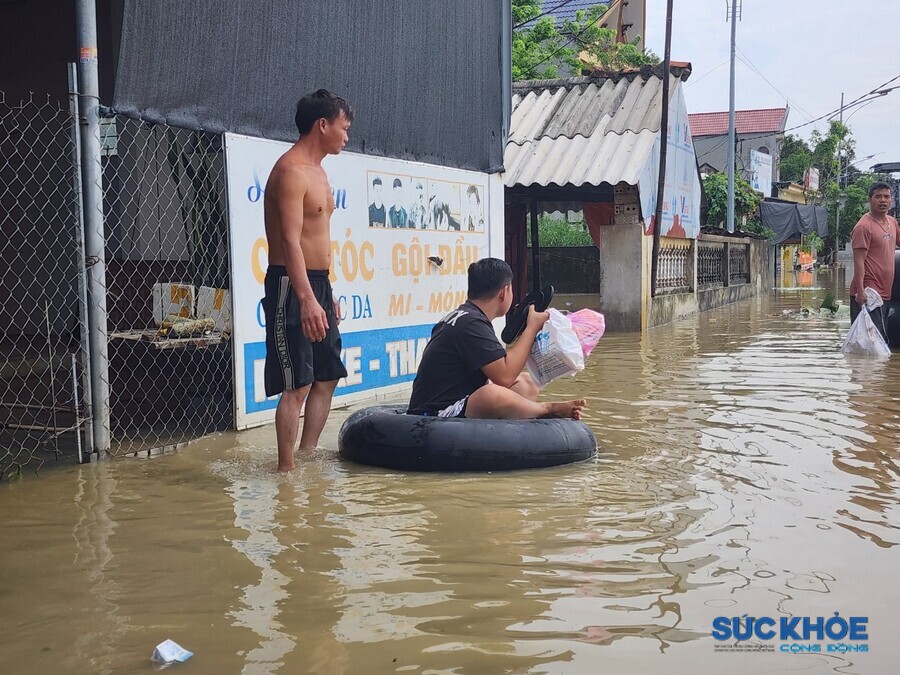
746 468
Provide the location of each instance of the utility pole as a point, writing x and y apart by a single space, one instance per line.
735 8
837 214
94 238
663 148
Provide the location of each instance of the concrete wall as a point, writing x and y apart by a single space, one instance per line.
667 308
621 259
718 297
670 307
571 269
713 150
762 265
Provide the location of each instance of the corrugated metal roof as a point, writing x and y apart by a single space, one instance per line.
602 158
583 131
585 106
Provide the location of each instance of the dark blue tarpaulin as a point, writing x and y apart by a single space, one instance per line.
790 220
423 76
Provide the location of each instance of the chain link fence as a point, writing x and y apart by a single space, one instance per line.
167 287
41 265
168 281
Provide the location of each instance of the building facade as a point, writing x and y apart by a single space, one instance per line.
756 131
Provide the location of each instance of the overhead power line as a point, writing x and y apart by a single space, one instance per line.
859 99
747 61
543 14
558 50
708 72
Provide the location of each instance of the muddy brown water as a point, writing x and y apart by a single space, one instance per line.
746 468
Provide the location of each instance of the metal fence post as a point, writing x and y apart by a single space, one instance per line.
82 407
726 268
95 240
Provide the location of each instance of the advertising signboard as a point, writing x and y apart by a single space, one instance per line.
761 172
403 236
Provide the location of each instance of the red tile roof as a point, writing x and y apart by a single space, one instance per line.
763 121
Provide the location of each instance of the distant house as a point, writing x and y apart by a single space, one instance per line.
627 18
761 130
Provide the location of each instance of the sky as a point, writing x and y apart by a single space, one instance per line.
809 51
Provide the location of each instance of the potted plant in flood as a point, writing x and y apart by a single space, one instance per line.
810 244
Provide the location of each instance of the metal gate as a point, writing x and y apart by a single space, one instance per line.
41 286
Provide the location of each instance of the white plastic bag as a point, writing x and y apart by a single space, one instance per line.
556 351
863 337
169 652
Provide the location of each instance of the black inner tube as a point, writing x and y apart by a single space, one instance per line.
385 436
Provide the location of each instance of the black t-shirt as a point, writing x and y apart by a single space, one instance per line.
462 343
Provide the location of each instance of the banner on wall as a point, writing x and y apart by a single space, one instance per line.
681 205
761 172
403 236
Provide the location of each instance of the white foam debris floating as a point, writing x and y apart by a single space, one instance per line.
170 652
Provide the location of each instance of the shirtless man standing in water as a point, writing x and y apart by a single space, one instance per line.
303 344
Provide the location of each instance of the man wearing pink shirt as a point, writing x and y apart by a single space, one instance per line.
874 239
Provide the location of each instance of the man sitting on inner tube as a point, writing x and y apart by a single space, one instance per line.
466 371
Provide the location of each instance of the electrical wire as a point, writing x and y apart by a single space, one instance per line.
822 117
753 67
558 50
543 14
708 72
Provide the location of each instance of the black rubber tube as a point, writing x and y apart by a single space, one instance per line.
892 311
385 436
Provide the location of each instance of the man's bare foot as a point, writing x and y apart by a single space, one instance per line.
285 468
570 409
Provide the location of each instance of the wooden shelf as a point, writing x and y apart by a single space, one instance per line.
151 338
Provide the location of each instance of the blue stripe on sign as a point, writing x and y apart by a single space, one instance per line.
373 358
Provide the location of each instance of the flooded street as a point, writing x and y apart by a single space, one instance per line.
746 467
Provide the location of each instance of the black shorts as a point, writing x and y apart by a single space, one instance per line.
457 409
292 361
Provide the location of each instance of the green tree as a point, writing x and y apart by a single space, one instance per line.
542 49
825 150
746 200
599 43
538 49
796 158
822 152
812 243
559 232
855 205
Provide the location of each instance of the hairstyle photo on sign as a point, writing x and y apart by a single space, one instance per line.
444 205
398 217
377 211
419 215
473 210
